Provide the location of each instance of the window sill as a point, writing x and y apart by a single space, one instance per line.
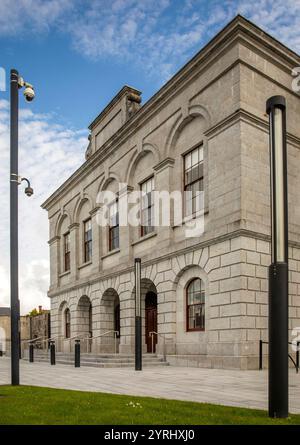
188 219
63 274
144 238
195 330
112 252
88 263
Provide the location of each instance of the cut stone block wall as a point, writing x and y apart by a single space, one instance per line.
235 274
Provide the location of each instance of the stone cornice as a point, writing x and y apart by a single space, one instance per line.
201 245
94 211
250 118
53 240
238 29
73 226
168 162
125 190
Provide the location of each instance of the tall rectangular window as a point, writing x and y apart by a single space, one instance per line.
193 181
147 207
67 252
88 241
114 226
195 305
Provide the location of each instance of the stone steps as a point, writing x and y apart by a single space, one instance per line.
99 360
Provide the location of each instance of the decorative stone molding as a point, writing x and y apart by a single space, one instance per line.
94 211
73 226
125 190
53 240
168 162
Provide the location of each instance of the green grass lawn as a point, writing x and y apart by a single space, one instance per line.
28 405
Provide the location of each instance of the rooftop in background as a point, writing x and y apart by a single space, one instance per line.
5 311
126 90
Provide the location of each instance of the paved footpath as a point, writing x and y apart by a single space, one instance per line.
225 387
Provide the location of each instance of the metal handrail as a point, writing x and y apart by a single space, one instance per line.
151 334
75 337
48 340
116 333
295 363
32 340
29 342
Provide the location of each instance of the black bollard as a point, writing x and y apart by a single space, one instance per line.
31 353
77 353
52 353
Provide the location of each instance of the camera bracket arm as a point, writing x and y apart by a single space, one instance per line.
22 83
18 179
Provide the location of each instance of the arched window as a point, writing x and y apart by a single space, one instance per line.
195 306
67 323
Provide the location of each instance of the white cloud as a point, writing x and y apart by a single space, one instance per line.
159 36
49 153
26 16
156 35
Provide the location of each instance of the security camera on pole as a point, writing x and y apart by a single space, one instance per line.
278 271
16 82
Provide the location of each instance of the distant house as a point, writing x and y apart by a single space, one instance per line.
30 327
39 324
5 328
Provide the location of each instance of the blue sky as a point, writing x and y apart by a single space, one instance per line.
78 54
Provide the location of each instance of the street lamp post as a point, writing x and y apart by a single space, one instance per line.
16 82
138 318
278 270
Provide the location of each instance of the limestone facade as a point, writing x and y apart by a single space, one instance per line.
218 100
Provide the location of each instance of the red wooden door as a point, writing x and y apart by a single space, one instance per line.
151 321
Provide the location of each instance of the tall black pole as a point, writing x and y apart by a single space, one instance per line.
138 318
14 284
278 271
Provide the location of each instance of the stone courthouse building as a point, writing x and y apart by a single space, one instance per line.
204 297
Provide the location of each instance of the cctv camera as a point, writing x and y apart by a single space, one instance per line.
29 191
29 93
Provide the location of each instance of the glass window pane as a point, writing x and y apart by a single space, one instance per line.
196 305
188 161
197 285
147 206
201 153
195 157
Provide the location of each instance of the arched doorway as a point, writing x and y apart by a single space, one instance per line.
151 321
117 319
84 322
109 321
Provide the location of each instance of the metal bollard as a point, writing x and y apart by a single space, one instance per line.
31 353
77 353
260 354
52 353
